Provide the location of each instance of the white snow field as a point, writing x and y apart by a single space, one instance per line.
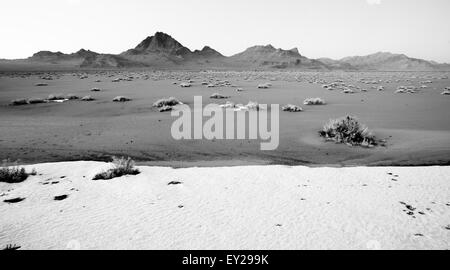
254 207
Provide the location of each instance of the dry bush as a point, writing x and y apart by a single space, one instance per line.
18 102
292 108
36 100
264 86
121 166
218 96
72 97
171 101
56 97
87 98
121 99
11 173
314 101
349 131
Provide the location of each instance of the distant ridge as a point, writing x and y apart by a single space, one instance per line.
269 56
390 61
162 51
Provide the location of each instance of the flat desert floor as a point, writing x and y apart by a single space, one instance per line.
250 207
416 126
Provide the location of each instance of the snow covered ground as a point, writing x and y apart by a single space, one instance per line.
254 207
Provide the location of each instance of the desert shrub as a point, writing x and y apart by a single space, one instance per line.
56 97
348 91
87 98
72 97
218 96
121 166
36 100
264 86
291 108
12 173
167 102
121 99
348 130
18 102
314 101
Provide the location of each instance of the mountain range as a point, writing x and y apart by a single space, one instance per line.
161 51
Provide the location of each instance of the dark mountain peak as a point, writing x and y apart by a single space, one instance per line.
207 48
266 48
162 35
208 52
295 50
47 54
269 57
85 53
269 49
161 42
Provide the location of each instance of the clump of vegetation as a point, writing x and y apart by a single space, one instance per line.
348 91
314 101
36 100
54 97
121 99
18 102
12 173
72 97
348 130
291 108
87 98
218 96
167 102
185 85
264 86
121 166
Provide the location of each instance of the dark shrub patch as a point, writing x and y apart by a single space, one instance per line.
348 130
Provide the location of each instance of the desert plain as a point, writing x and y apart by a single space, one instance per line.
415 125
225 194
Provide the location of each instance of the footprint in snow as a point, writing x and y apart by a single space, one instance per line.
173 183
15 200
61 198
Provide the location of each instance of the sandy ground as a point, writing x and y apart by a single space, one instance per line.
416 126
252 207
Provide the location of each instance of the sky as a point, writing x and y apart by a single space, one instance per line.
318 28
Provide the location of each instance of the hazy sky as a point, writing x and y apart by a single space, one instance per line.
319 28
